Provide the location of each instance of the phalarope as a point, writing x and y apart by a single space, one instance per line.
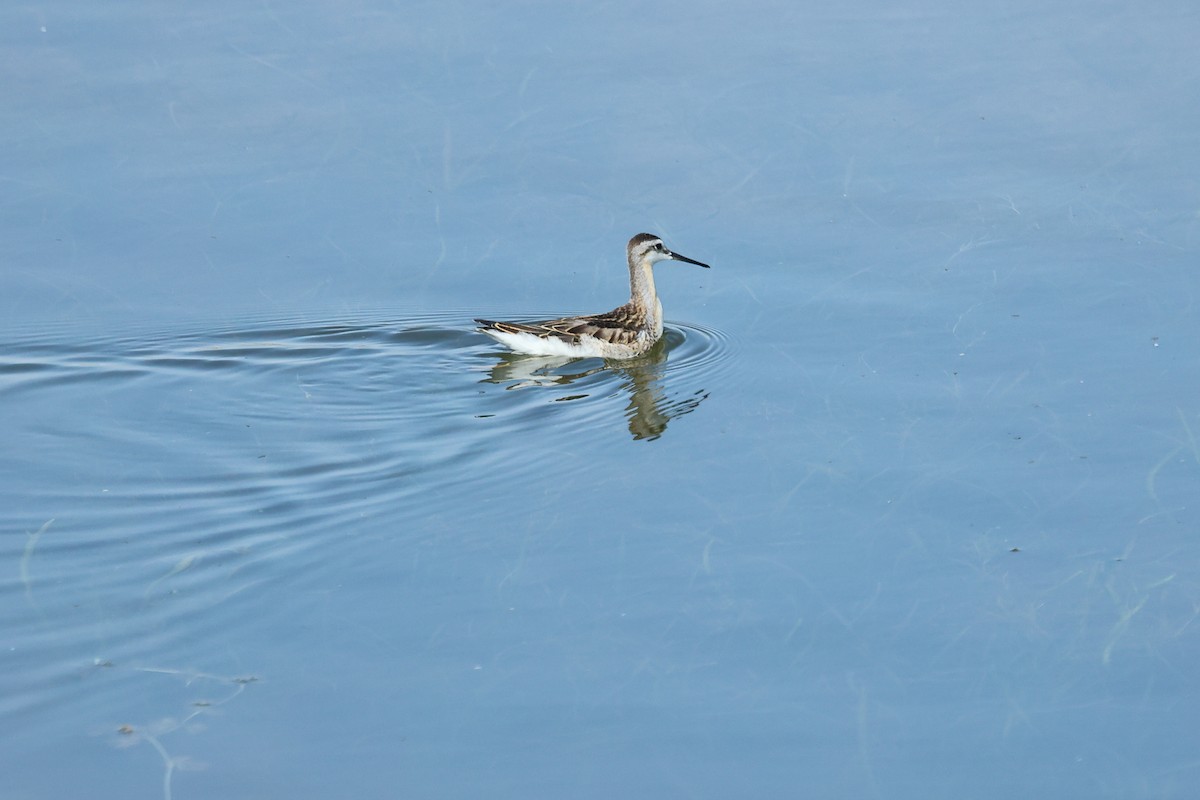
624 332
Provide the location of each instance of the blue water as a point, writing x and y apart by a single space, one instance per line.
904 506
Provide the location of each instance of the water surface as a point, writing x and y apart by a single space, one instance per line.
904 506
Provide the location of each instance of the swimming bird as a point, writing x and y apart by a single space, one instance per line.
624 332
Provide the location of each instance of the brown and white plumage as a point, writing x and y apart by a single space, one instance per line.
624 332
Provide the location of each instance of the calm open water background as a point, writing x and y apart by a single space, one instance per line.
906 505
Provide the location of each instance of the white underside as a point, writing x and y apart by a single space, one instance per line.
586 347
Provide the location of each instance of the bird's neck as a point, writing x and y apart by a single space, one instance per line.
644 297
641 287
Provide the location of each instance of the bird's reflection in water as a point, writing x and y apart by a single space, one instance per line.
650 407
